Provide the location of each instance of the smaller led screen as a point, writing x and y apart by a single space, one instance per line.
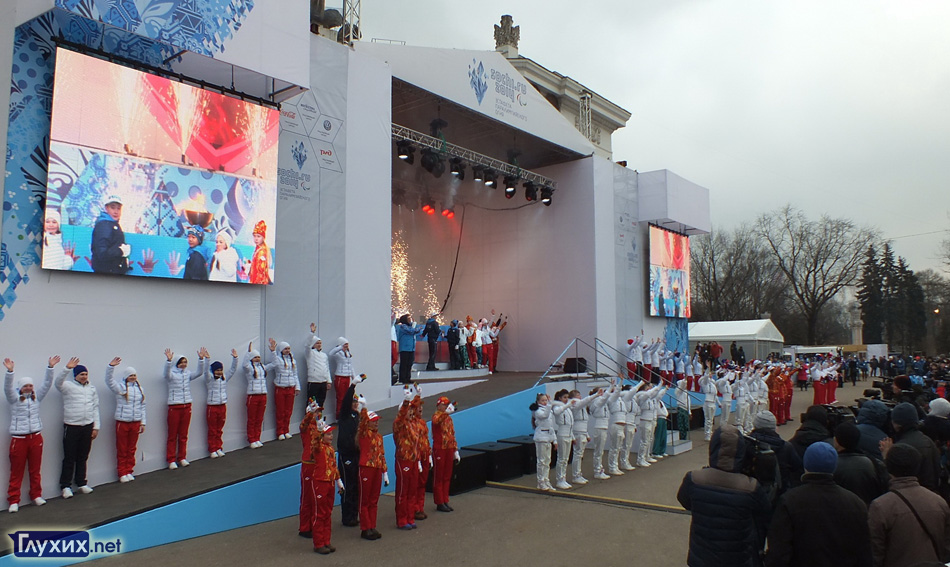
669 273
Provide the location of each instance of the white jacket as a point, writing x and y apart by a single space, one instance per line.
563 418
544 427
708 386
318 365
218 389
80 402
129 402
682 396
631 409
579 409
635 350
342 363
599 414
285 368
179 381
25 414
256 374
616 408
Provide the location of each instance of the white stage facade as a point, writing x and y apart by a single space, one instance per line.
577 268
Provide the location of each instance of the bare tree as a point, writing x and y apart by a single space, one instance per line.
818 258
734 276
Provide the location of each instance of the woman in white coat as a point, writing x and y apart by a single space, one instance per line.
224 263
544 436
564 421
129 416
179 405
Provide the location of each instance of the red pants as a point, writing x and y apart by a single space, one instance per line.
216 416
831 394
256 404
647 372
677 378
631 370
665 377
407 475
126 438
692 384
395 351
472 355
442 460
821 393
25 450
340 385
775 406
322 493
784 408
487 355
284 400
179 418
419 501
306 498
371 479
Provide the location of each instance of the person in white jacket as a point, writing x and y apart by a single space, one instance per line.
707 385
651 360
57 255
743 400
318 369
544 437
129 417
343 372
646 399
724 385
216 410
179 405
564 421
617 421
632 421
597 431
635 357
225 262
579 430
286 385
255 372
26 439
81 417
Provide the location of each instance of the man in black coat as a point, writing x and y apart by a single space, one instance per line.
819 523
432 333
453 337
856 471
730 510
814 428
348 450
789 463
110 253
907 430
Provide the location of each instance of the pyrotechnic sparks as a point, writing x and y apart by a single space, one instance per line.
400 273
129 84
429 297
191 106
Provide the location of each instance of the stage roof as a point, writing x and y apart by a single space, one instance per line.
490 107
749 330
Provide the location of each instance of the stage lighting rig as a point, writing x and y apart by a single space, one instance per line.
428 205
530 191
458 168
546 193
491 178
432 162
405 151
478 173
448 212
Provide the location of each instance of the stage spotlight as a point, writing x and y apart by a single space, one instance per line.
458 168
530 191
509 191
432 162
511 182
449 212
546 193
405 151
428 205
491 178
478 173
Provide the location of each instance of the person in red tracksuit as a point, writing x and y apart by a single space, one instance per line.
445 452
407 462
372 472
423 454
325 476
307 427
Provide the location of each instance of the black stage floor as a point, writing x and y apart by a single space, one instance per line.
114 501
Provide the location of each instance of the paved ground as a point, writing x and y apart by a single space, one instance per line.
491 526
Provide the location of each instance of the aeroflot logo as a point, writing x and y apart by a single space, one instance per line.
60 545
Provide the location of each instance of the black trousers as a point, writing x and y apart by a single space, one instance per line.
349 466
77 441
455 357
318 391
433 346
405 366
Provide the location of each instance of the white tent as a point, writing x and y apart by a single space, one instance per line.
757 337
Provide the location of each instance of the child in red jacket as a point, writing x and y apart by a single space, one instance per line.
372 472
325 476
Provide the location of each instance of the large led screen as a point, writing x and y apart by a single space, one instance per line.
669 273
152 177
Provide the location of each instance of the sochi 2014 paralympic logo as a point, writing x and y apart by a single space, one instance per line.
60 545
300 154
477 79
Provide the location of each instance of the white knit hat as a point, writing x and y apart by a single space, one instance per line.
128 371
343 340
939 407
23 381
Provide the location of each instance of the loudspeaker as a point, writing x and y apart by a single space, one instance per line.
575 365
469 473
530 452
505 460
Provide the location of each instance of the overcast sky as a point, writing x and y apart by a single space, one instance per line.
837 107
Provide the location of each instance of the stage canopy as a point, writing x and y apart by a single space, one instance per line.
757 337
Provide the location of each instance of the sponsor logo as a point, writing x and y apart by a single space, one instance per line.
477 79
327 125
300 154
522 99
326 153
71 545
289 114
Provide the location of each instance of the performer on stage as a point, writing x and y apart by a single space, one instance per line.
683 408
453 337
324 476
564 425
580 430
318 369
423 453
597 432
432 332
407 462
343 372
544 437
708 387
406 332
724 385
286 385
216 411
129 417
349 455
262 262
81 416
26 439
308 427
256 375
617 411
179 405
632 412
445 451
635 356
372 472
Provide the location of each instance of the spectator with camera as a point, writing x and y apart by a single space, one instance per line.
819 523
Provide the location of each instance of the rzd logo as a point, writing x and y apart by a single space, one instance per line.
60 545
